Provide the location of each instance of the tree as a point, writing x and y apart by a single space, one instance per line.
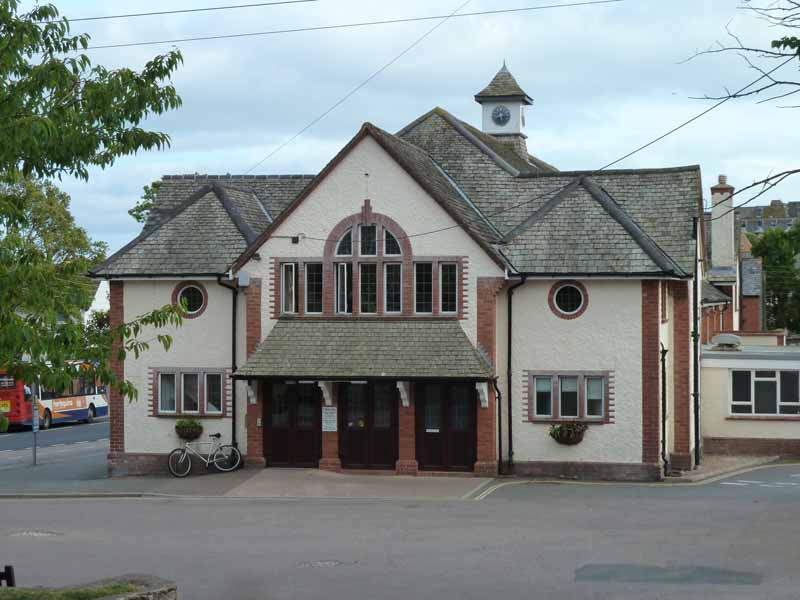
141 211
768 63
779 249
59 116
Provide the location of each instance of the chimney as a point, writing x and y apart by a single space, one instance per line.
723 217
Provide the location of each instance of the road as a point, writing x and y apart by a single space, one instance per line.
735 539
65 453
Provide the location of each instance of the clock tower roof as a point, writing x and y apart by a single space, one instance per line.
503 87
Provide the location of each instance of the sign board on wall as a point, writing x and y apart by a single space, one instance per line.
330 423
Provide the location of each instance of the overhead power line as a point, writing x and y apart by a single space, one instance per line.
186 10
350 25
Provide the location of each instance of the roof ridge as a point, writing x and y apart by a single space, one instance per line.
207 177
650 247
241 224
589 173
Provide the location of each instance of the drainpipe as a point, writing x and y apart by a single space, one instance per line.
499 398
696 346
235 297
509 372
664 460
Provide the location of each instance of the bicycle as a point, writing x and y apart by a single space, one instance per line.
223 456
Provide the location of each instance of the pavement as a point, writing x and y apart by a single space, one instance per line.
734 539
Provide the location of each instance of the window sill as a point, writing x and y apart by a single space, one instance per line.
371 317
195 416
763 418
551 421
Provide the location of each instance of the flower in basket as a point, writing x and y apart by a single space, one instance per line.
568 434
188 429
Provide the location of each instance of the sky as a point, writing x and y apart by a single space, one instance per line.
605 79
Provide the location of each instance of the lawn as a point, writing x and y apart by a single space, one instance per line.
84 593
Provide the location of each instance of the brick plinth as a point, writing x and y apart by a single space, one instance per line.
753 446
651 370
330 460
407 445
116 403
681 346
589 471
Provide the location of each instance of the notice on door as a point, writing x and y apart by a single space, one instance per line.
329 421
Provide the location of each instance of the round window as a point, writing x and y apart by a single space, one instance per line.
193 298
569 299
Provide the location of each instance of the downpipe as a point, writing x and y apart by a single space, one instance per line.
499 401
235 301
696 353
509 372
664 459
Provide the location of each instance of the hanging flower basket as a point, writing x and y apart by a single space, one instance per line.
188 429
568 434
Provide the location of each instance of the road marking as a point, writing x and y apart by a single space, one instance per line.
769 485
747 481
734 483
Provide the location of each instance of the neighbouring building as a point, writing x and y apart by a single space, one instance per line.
777 214
434 300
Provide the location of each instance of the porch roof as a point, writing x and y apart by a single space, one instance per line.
366 349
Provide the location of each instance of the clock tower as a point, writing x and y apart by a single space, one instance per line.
504 102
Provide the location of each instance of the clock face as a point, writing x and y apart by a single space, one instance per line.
501 116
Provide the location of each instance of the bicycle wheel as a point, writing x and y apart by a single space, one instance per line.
180 463
226 458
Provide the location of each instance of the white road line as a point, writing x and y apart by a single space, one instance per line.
747 481
769 485
790 483
796 475
734 483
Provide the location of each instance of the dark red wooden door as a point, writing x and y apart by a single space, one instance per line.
293 423
446 433
368 425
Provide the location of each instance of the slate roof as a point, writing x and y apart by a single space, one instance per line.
503 86
713 295
339 349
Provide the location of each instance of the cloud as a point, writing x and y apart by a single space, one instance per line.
605 79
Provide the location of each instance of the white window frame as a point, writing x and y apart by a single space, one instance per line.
341 275
752 403
586 414
555 299
441 287
416 312
360 284
221 394
183 390
536 412
305 289
202 295
339 243
360 230
387 233
292 308
386 288
561 414
161 410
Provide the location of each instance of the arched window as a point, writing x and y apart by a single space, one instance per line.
345 246
391 247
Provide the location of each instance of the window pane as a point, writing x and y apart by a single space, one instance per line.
765 374
213 393
391 246
306 406
385 394
369 240
393 293
356 406
594 396
741 386
345 247
166 396
289 304
314 288
369 288
790 409
279 405
544 396
344 288
423 292
191 395
569 396
449 287
433 408
766 402
789 389
460 405
193 298
742 409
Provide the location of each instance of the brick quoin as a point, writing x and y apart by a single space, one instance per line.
407 444
116 404
486 456
681 344
651 370
255 434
